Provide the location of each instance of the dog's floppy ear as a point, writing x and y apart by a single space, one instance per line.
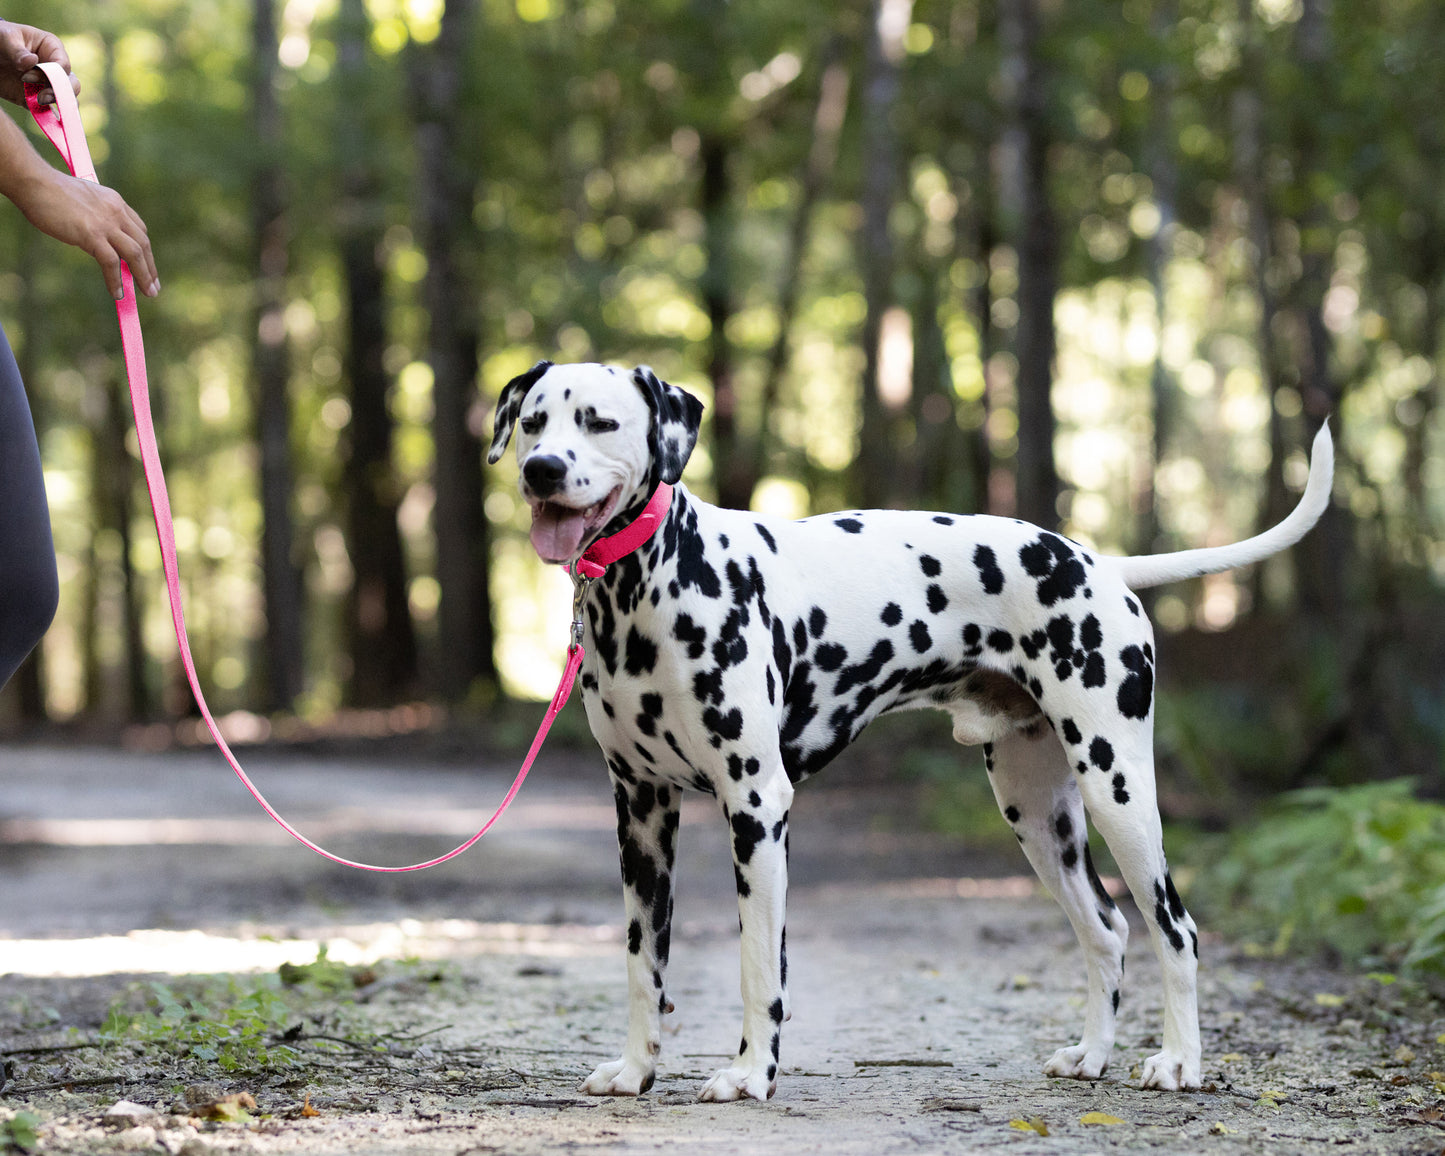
676 417
509 405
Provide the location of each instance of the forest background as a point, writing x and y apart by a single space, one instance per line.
1104 266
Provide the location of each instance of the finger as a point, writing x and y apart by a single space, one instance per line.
141 259
137 254
109 261
50 49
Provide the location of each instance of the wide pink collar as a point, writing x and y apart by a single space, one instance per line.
603 552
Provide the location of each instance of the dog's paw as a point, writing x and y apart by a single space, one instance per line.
1080 1062
1170 1073
738 1083
619 1078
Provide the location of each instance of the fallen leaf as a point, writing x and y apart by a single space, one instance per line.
1383 978
307 1109
1221 1130
228 1109
1100 1118
1404 1055
1231 1058
1020 982
1032 1124
1329 999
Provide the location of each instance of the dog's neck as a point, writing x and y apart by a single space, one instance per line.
626 534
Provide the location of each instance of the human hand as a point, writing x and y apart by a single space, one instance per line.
22 49
96 219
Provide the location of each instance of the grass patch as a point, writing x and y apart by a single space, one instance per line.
1356 873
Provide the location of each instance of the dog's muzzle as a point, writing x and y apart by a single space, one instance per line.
544 475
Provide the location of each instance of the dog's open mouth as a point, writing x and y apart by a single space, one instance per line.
559 532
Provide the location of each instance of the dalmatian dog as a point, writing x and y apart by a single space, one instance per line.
736 654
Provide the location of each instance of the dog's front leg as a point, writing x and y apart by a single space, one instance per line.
647 819
757 811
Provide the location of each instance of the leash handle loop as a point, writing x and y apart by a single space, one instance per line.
61 123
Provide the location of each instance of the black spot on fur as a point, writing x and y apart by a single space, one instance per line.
1121 796
747 834
1058 569
1070 857
1070 732
830 656
937 599
1063 826
1101 753
817 622
932 567
1011 814
919 636
634 937
767 537
1000 640
989 573
1136 692
640 654
892 614
1164 920
849 525
688 632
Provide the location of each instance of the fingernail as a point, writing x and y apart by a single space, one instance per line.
155 289
120 293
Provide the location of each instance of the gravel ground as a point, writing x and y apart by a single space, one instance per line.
929 982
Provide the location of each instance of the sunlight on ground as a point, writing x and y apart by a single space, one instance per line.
197 952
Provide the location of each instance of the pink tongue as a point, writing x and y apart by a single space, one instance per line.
557 532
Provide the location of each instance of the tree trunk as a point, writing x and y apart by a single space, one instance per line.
444 204
1036 481
877 452
117 494
379 633
270 367
1325 558
827 126
1164 174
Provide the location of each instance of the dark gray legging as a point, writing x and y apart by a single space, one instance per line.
29 587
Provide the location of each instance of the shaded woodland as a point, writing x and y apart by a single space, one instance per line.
1105 267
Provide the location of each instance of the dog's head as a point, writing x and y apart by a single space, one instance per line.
593 442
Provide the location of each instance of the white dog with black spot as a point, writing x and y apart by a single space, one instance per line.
736 654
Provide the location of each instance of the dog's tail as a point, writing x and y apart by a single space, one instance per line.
1157 569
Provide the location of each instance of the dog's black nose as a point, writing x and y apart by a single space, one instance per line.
545 475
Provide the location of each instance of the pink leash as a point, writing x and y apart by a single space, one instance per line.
61 123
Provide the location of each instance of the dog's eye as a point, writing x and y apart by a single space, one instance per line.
602 425
533 423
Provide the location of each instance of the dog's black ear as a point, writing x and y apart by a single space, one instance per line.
676 418
509 405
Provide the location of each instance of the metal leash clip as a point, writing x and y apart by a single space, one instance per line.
580 586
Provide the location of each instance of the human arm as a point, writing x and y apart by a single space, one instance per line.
78 212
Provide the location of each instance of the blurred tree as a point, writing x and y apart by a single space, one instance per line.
270 368
381 642
1028 85
444 214
876 478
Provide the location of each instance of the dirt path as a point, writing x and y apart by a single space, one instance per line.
929 985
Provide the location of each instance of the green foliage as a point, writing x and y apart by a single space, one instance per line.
228 1022
1358 872
325 974
18 1133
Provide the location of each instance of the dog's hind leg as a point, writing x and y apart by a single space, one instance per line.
1118 789
647 820
1038 795
757 811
